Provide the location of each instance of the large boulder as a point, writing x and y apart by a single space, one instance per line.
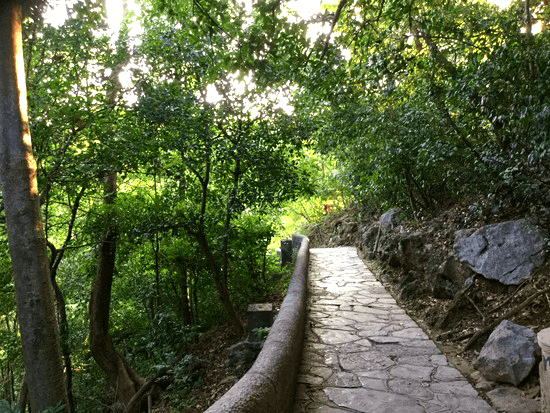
509 354
507 252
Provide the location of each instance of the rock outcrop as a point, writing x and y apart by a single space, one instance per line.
507 252
242 355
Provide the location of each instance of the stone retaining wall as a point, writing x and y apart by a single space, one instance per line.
269 385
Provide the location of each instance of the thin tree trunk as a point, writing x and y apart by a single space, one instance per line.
55 260
195 298
185 309
123 379
156 250
222 286
64 336
231 199
35 303
211 262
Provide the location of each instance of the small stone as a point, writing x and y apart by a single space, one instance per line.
511 400
482 383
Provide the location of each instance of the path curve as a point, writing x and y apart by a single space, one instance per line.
363 353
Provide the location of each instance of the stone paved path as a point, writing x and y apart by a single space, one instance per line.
363 353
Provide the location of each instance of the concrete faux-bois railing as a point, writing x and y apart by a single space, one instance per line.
269 385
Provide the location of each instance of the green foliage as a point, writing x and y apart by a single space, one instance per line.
409 104
186 372
10 407
437 100
54 409
261 332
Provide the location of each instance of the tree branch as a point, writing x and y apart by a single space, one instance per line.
341 5
509 314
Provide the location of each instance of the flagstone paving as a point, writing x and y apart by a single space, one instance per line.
363 353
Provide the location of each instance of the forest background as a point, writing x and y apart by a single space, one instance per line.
171 159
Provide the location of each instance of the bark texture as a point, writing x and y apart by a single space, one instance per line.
123 379
35 303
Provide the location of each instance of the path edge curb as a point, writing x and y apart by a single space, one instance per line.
270 384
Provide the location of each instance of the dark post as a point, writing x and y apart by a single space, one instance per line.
286 252
259 316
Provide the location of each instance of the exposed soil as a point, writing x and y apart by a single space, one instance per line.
216 378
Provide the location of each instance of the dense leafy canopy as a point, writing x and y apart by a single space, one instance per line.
439 98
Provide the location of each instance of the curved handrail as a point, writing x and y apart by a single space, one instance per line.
269 385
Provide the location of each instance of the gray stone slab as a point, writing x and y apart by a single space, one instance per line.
417 361
375 384
364 361
465 404
343 379
382 374
373 401
356 346
458 388
447 373
415 389
391 349
409 372
324 372
330 336
412 333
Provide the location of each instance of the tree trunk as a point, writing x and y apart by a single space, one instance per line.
229 211
194 298
35 304
202 240
124 380
221 284
55 261
65 347
185 308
